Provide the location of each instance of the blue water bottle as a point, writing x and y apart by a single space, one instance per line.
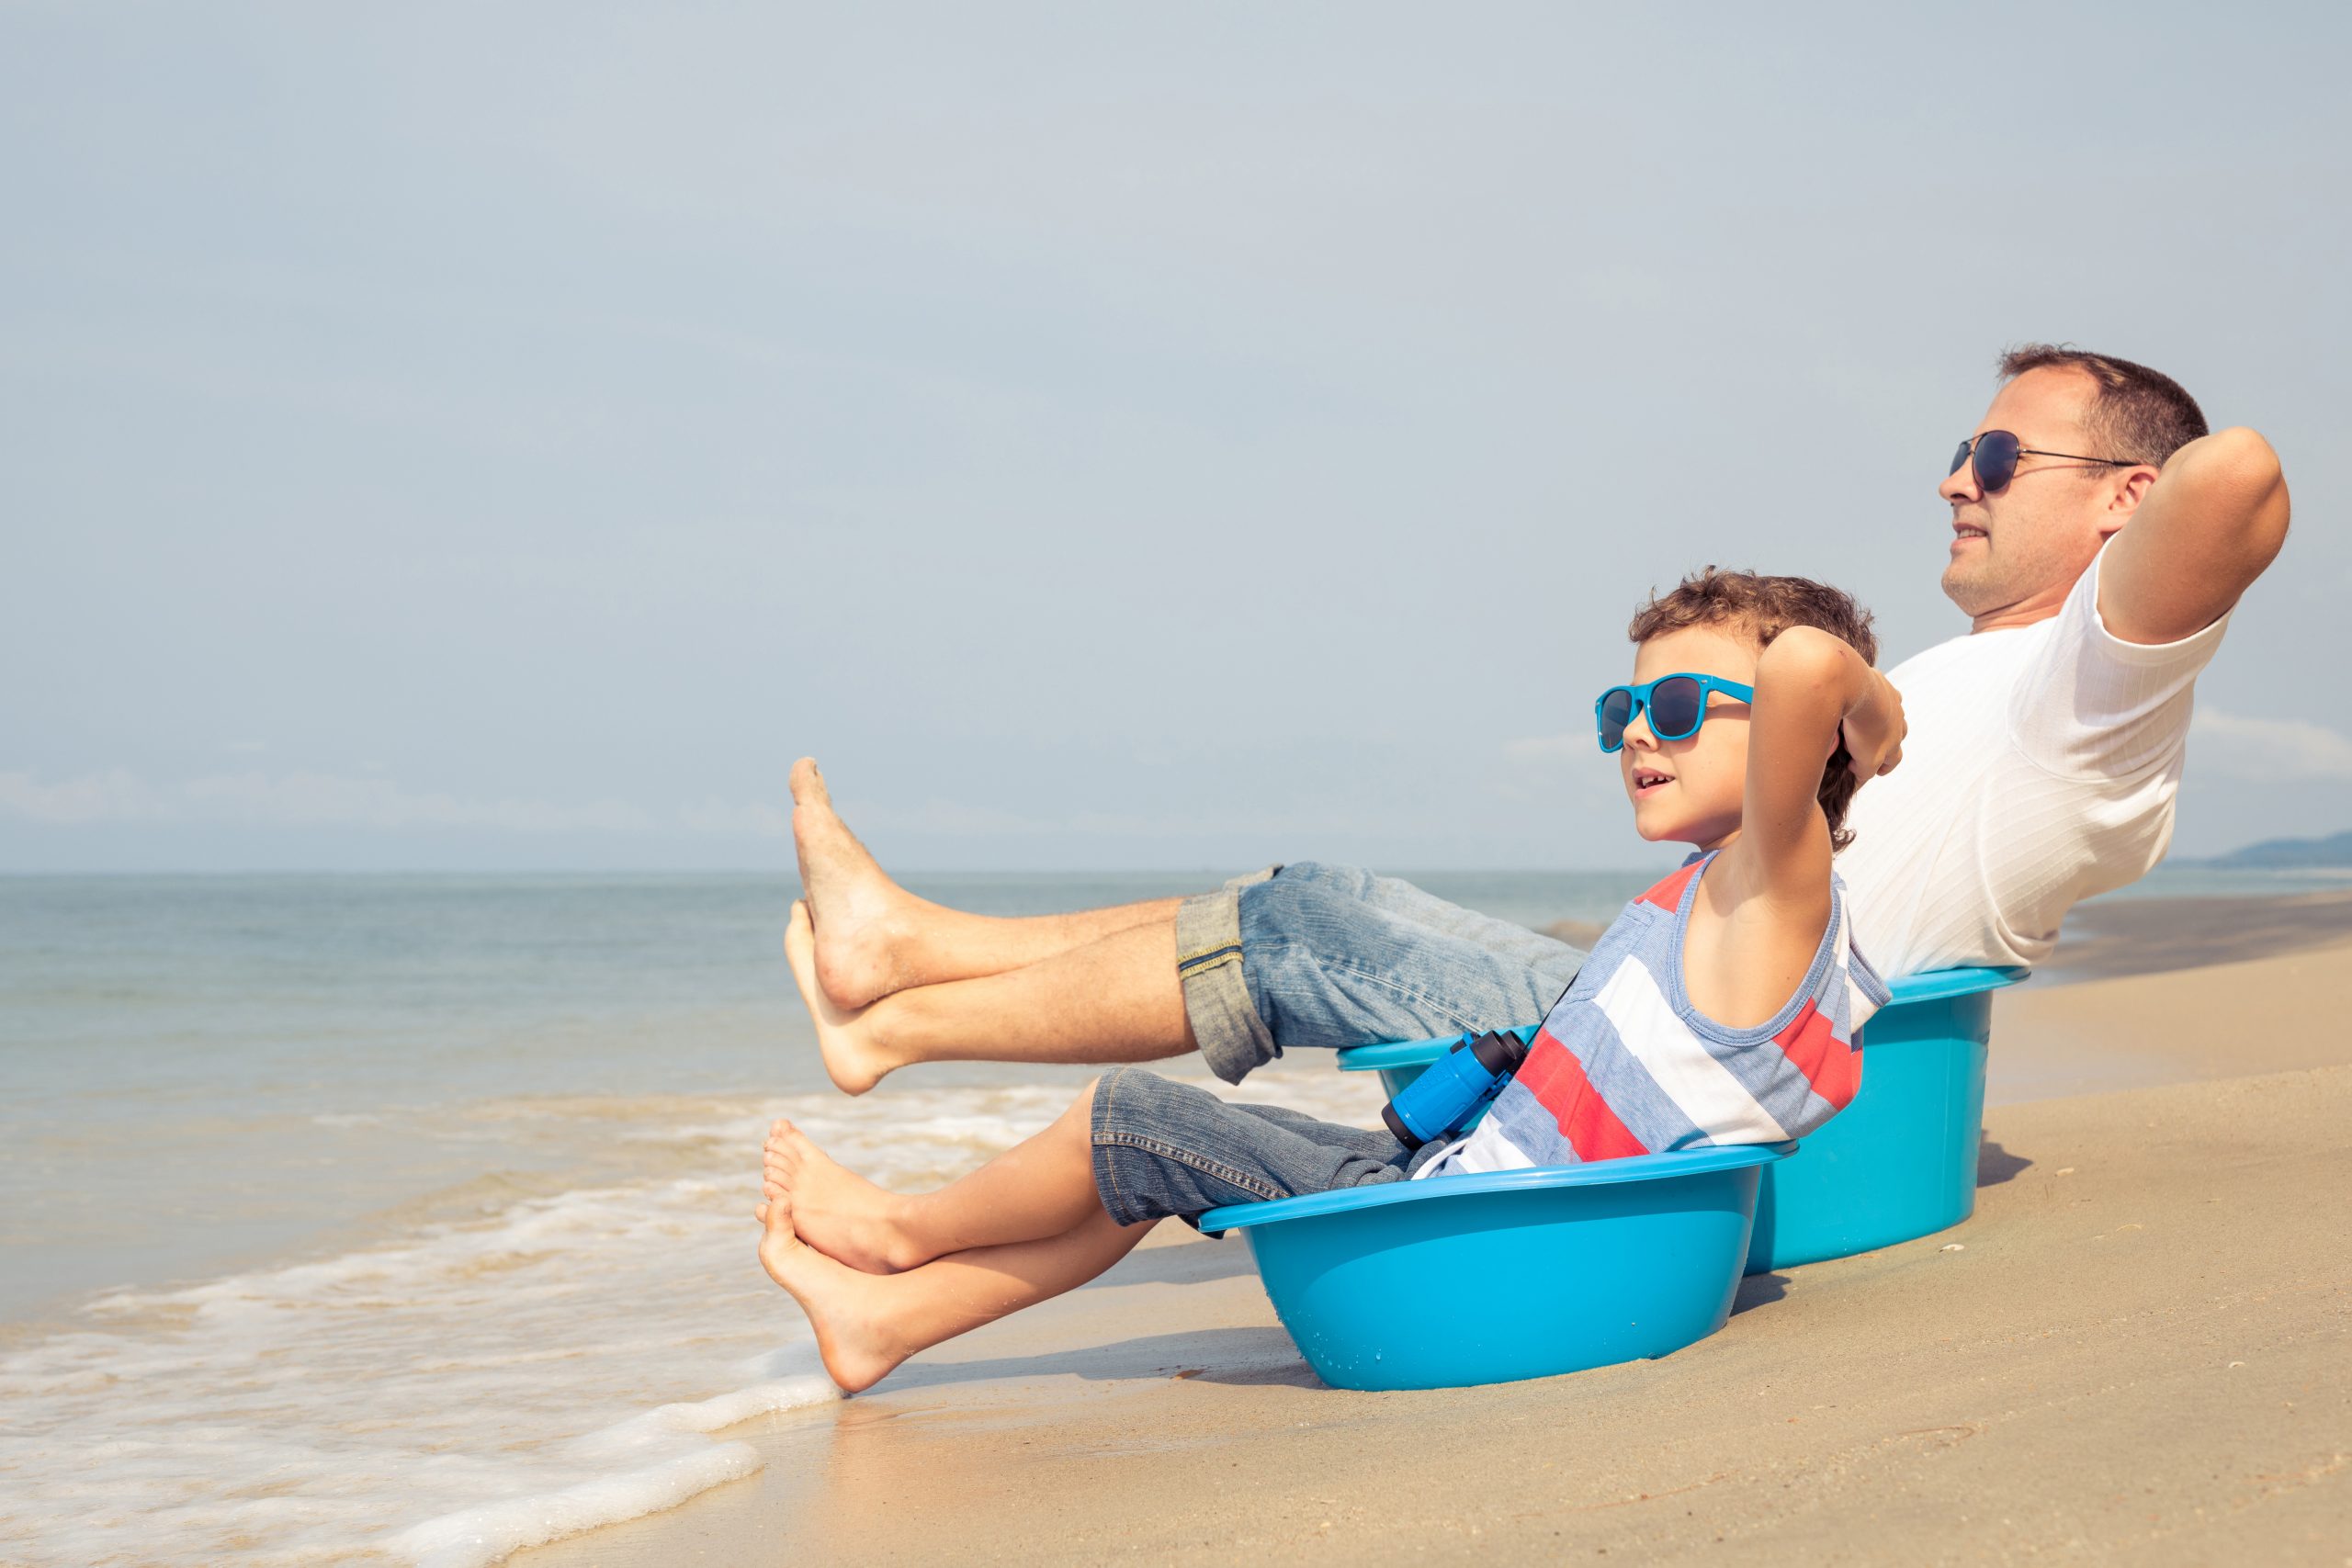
1457 1087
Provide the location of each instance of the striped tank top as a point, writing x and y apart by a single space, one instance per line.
1625 1065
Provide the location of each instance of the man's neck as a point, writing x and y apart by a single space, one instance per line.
2012 618
2025 612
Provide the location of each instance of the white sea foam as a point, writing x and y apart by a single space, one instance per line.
475 1386
626 1485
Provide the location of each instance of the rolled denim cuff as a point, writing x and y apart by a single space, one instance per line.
1233 1039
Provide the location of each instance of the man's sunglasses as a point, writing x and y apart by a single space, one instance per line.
1676 705
1997 453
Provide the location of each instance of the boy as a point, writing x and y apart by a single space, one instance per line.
1720 1008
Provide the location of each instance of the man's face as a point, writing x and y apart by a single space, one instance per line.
2026 544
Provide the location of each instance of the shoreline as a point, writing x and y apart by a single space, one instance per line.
2114 937
2133 1351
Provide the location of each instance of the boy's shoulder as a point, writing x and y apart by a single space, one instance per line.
1644 927
1662 904
1648 934
1668 891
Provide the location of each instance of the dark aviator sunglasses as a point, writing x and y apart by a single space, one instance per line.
1997 453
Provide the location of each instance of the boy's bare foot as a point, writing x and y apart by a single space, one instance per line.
842 1303
835 1209
852 1060
860 914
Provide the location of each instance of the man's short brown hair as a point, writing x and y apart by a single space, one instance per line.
2138 414
1764 607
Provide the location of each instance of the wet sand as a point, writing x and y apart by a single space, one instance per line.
2135 1353
2116 937
2249 986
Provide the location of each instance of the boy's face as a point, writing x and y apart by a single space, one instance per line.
1691 790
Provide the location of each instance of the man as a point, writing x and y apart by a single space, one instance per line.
2050 740
2100 537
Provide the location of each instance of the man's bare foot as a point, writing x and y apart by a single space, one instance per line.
835 1209
860 914
844 1305
852 1060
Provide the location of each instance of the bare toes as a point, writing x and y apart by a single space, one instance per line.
807 783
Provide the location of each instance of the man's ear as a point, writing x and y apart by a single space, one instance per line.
2130 489
2125 492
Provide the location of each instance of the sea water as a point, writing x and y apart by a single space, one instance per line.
407 1218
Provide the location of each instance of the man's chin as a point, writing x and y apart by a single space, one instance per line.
1965 586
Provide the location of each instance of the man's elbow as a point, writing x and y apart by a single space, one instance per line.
2245 466
2242 458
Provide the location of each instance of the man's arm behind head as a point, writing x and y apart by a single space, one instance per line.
2213 522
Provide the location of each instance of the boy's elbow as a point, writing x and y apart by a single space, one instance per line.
1805 659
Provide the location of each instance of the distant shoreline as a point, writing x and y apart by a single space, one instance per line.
2157 935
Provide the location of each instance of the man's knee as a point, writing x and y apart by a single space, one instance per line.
1339 881
1301 909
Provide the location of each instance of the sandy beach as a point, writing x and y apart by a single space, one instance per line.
2135 1351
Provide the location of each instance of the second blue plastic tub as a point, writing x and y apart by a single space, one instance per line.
1900 1162
1465 1279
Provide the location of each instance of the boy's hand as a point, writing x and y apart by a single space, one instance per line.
1873 729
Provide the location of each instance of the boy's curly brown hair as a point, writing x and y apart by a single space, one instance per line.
1764 607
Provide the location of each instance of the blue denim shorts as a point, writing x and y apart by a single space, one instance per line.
1163 1148
1331 955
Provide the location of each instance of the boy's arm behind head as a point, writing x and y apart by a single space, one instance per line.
1813 691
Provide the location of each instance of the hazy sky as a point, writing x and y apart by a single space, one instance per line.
1153 437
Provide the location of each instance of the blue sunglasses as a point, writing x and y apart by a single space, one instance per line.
1676 705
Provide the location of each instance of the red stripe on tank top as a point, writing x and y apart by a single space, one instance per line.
1555 1076
1667 894
1812 1046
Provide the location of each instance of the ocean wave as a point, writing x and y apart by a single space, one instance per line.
644 1464
511 1366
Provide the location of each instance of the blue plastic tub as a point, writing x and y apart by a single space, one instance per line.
1467 1280
1900 1162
